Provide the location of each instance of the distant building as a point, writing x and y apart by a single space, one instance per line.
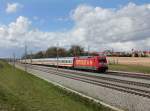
133 53
136 53
146 53
118 54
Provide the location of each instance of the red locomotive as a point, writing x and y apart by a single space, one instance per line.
96 63
93 63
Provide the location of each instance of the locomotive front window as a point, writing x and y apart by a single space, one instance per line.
102 60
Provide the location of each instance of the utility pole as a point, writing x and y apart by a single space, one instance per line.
57 56
14 60
74 51
88 50
31 57
25 57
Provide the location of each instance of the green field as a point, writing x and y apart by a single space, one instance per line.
21 91
130 68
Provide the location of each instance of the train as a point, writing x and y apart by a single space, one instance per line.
89 63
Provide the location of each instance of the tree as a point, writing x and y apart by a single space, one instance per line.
76 50
62 52
51 52
38 55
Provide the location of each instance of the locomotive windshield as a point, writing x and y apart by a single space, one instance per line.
102 60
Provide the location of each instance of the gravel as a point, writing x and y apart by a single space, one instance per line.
122 100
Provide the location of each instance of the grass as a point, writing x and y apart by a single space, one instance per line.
21 91
130 68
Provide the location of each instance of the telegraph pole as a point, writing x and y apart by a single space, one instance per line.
57 56
14 60
25 57
88 50
31 57
74 51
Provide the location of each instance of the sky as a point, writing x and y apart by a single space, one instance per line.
121 25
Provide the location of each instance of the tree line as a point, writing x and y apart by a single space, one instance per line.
52 52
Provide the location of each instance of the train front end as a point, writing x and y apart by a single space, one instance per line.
102 65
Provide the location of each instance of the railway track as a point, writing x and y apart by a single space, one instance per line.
108 74
131 75
132 87
126 74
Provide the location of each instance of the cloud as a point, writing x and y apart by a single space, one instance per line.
121 29
13 7
14 33
63 19
100 28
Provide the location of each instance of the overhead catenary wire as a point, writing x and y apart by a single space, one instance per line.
138 30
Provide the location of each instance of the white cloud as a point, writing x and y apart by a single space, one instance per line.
63 19
13 7
122 27
14 33
100 28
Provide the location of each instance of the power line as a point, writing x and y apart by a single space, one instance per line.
119 34
138 30
125 33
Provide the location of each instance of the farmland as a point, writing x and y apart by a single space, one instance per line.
141 61
131 64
